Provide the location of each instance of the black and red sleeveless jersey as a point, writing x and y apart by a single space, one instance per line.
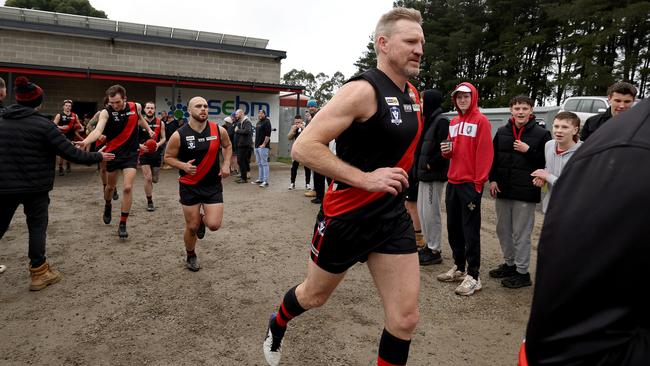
195 145
71 120
387 139
156 125
117 122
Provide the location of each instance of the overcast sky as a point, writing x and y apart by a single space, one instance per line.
318 35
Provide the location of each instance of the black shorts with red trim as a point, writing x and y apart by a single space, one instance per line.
412 190
338 244
155 159
194 195
122 163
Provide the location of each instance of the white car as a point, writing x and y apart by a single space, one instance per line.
585 107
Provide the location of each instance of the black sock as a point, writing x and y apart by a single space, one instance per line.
149 199
392 350
123 217
289 309
190 253
108 204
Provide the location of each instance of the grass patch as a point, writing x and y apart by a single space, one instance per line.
284 159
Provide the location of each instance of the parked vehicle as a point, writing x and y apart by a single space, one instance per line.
585 106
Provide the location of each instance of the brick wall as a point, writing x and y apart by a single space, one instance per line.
26 47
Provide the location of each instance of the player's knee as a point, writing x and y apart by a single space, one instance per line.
406 322
213 226
128 188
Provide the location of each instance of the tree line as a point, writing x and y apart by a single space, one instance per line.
547 49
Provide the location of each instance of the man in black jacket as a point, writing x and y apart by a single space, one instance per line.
594 253
244 140
29 143
3 93
431 171
621 98
518 151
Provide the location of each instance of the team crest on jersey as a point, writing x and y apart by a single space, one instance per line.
321 228
395 116
191 145
392 101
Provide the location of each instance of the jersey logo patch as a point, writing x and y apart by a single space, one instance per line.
408 108
463 129
392 101
191 145
416 107
395 115
210 138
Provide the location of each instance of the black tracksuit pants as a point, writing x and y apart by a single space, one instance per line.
35 206
294 172
244 160
464 226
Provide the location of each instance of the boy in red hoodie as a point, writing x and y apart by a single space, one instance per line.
470 149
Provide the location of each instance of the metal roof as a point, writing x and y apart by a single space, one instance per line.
84 26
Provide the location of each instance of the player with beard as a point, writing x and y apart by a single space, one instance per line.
150 160
69 125
194 151
119 123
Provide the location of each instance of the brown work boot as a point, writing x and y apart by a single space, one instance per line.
43 276
419 240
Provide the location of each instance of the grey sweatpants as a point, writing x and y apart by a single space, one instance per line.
429 200
515 220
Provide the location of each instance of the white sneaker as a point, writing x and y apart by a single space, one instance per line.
308 187
264 184
292 186
469 286
272 353
453 275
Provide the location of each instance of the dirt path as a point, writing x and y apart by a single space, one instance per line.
133 302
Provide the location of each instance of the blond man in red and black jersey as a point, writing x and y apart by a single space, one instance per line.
69 124
150 161
194 150
119 123
375 119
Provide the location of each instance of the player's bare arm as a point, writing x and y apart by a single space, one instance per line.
97 132
227 152
350 105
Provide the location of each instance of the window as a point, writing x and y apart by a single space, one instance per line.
571 105
585 106
598 104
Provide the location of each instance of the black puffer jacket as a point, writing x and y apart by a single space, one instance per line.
29 143
431 166
594 122
511 169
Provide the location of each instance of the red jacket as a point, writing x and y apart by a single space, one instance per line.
472 151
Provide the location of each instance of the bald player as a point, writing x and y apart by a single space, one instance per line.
194 150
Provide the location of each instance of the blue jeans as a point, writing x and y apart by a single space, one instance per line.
262 158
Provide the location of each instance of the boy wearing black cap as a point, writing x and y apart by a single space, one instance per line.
29 184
